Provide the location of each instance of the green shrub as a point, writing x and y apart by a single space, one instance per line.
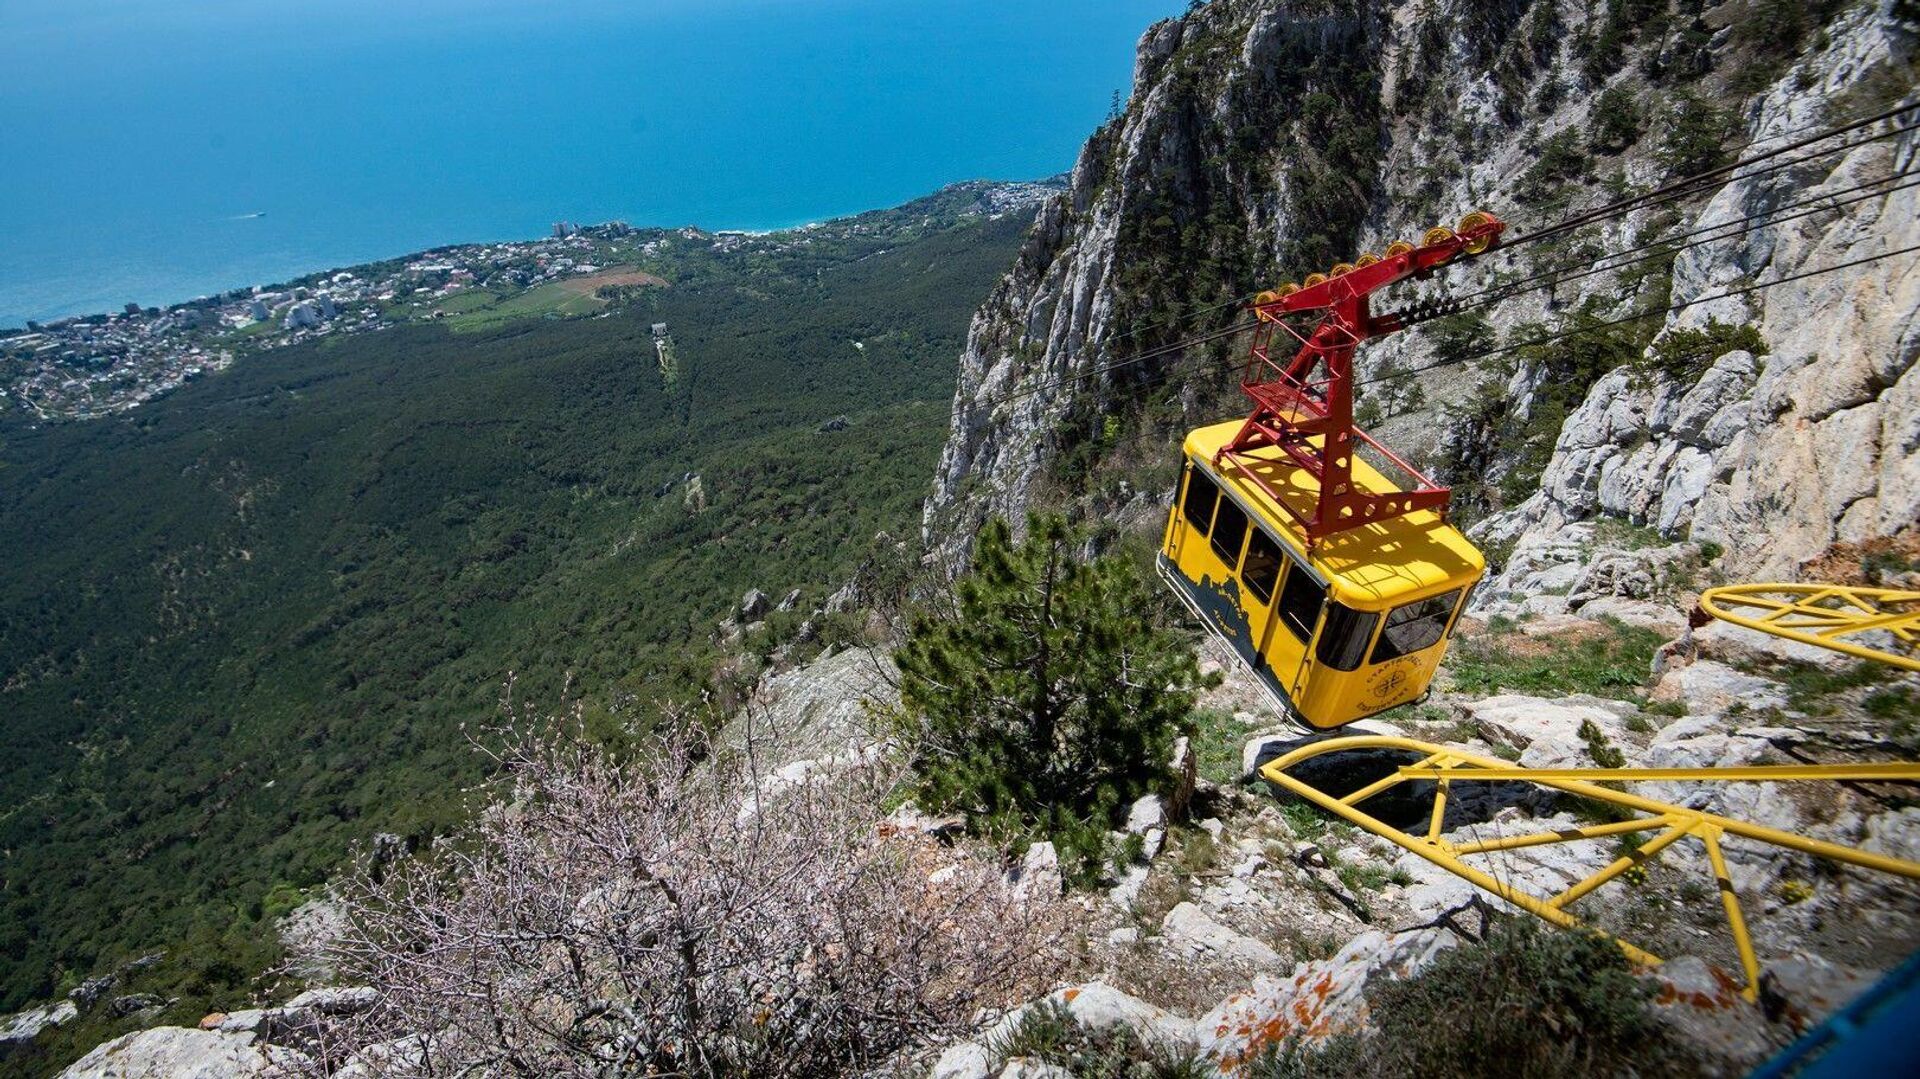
1694 135
1559 160
1683 355
1816 690
1217 741
1890 703
1616 122
1603 752
1455 337
1046 697
1530 1001
1048 1033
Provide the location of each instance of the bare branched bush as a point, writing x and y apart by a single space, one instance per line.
681 916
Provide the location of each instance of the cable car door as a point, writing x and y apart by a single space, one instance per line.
1281 611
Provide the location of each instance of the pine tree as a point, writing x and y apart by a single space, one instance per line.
1047 697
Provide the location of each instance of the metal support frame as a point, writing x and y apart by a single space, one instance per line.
1825 616
1447 766
1304 406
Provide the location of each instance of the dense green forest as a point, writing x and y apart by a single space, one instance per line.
242 627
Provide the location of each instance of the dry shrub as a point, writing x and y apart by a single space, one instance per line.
662 918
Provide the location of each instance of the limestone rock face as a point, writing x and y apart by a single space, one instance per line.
1547 733
1195 194
1034 343
1189 927
1038 874
179 1053
1707 686
1704 1007
308 931
823 708
963 1060
18 1030
1319 999
1543 870
1096 1006
1775 457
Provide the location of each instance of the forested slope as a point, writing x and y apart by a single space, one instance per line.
242 628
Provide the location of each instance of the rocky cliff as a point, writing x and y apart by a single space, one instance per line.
1268 139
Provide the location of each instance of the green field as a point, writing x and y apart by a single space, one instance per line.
471 312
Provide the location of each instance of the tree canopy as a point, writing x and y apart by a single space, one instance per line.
1045 696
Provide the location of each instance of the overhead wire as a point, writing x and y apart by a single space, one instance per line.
1237 301
1636 317
1531 342
1093 372
1667 247
1062 381
1696 182
1670 192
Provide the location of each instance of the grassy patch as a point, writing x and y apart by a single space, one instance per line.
1304 820
1198 854
554 298
1895 703
1624 534
1818 691
1609 662
1217 741
1359 879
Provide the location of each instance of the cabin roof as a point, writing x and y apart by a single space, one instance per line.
1370 566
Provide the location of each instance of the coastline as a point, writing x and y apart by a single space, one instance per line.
16 322
79 367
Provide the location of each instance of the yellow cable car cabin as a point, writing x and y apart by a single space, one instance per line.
1337 587
1353 629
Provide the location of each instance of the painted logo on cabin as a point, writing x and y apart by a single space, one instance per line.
1389 682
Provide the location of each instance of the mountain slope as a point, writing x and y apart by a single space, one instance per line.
251 623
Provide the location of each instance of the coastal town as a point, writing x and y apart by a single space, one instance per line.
88 366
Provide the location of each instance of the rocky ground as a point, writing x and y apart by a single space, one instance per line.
1250 918
1258 920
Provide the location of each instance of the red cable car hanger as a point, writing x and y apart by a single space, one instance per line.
1305 408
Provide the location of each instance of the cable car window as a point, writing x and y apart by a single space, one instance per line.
1414 626
1201 495
1262 568
1454 631
1229 528
1343 640
1300 601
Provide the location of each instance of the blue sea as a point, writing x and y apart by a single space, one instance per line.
155 150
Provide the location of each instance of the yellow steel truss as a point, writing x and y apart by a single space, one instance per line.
1826 615
1445 766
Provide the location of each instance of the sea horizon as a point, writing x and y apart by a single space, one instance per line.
348 134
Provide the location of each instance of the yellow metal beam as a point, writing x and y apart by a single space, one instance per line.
1825 615
1633 859
1901 771
1537 839
1447 765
